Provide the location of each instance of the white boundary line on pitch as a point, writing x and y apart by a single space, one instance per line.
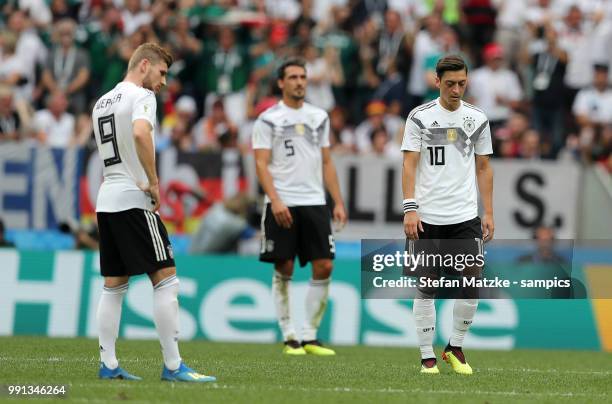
215 386
530 370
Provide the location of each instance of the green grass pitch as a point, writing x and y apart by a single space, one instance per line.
252 373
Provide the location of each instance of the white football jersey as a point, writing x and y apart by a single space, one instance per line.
113 117
446 189
295 137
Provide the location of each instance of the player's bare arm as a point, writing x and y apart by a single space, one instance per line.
146 154
281 212
412 221
484 174
330 177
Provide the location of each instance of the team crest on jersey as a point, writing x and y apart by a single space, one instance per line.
451 134
469 124
300 129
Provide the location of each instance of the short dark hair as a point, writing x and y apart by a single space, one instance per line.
151 51
294 61
451 63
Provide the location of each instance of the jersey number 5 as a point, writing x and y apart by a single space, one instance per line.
436 155
289 147
106 127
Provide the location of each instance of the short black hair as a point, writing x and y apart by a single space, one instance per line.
294 61
450 63
601 67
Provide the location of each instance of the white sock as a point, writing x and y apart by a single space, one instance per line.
463 314
109 316
280 292
316 302
424 313
165 314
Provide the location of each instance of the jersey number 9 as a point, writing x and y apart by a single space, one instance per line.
106 127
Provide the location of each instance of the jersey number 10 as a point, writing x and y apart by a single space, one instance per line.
106 127
436 155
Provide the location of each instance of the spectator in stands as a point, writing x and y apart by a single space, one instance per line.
544 237
103 37
55 126
390 41
186 47
576 37
134 16
548 63
12 123
30 50
509 136
323 72
12 71
382 145
225 69
426 43
185 111
510 20
67 68
593 113
86 237
529 148
593 105
479 24
222 226
341 136
3 241
215 130
449 44
494 88
180 137
376 119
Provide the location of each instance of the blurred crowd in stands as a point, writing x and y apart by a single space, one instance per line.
540 69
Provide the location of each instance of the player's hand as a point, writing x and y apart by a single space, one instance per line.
488 227
281 213
340 218
153 193
412 225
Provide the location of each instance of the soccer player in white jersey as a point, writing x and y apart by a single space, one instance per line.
446 146
133 239
291 143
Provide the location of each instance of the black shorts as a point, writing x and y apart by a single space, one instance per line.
310 237
133 242
441 245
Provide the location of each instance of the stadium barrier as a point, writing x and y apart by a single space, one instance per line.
42 186
229 299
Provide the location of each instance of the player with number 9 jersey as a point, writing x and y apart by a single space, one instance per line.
133 238
113 117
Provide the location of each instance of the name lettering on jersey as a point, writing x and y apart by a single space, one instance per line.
469 124
106 102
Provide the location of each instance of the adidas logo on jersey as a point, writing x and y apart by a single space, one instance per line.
435 124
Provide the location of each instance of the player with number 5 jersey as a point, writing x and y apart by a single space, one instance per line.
294 165
133 239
